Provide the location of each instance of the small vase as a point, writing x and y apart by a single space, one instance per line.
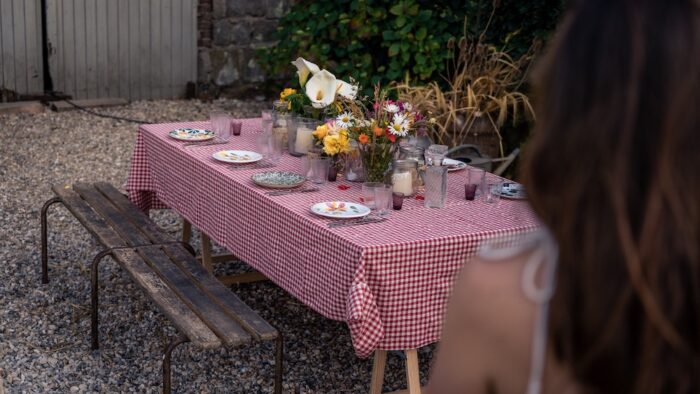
376 159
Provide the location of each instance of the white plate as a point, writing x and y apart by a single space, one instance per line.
237 156
454 165
512 190
192 135
340 209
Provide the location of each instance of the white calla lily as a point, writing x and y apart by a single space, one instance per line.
347 90
304 68
321 89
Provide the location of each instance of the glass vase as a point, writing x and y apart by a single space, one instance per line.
376 159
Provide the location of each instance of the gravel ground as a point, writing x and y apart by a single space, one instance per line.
44 329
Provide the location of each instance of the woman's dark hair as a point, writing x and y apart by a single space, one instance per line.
613 171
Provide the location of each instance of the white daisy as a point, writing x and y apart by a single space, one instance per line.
391 108
344 120
399 126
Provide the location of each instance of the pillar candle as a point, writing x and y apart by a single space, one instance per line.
403 183
305 140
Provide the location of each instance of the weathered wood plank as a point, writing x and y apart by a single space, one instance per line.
168 302
22 107
112 77
144 48
92 222
225 298
123 38
226 328
135 215
7 56
245 277
69 50
167 49
20 46
81 65
177 49
155 74
131 234
35 66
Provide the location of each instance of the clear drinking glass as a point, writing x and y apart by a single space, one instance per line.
368 195
475 182
434 154
220 124
435 186
490 196
382 199
318 169
267 121
397 199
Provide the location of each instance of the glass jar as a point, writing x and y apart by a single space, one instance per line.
413 153
404 176
280 124
300 135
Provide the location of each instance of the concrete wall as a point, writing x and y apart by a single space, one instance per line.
229 33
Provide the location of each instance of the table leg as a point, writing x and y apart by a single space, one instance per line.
206 253
186 231
412 371
378 372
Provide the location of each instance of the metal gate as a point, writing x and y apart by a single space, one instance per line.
135 49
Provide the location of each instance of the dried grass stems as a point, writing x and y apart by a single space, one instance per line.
483 92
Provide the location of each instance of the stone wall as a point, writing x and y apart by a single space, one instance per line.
229 33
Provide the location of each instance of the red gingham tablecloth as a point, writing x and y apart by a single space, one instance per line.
388 281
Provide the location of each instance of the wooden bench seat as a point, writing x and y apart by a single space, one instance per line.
203 310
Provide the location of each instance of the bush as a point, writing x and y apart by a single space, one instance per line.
379 41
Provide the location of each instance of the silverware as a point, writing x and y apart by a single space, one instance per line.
285 192
364 220
239 167
204 143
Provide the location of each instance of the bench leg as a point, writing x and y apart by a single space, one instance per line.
44 240
94 292
279 363
186 231
166 361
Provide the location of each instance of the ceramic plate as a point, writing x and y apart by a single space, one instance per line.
191 134
511 190
340 209
278 179
453 165
237 156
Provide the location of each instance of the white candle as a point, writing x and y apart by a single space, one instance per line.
403 183
305 139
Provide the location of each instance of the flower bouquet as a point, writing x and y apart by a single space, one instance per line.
377 132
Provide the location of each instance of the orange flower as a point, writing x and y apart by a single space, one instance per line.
378 131
363 138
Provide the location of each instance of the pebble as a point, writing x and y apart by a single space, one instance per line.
44 329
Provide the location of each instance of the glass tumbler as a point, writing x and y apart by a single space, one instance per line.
491 192
383 199
435 186
301 137
368 194
220 124
318 169
475 182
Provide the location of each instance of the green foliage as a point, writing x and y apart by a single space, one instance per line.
379 41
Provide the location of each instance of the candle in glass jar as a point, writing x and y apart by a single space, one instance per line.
403 183
305 139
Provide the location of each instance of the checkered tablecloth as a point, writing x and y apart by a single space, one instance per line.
388 281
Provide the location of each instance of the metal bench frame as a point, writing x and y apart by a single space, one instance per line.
94 276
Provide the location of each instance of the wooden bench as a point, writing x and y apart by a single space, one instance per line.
203 310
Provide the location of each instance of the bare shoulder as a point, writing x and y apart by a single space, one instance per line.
488 329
